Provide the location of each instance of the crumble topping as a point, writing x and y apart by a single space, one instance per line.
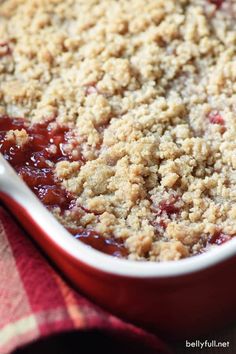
147 89
19 137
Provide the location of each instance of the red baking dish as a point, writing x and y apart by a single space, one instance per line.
178 299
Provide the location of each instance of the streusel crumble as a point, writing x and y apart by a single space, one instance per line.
124 116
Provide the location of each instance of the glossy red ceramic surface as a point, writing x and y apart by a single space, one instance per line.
176 307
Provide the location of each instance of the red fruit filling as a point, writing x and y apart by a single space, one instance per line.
4 49
219 238
105 245
216 118
217 3
163 224
35 163
168 207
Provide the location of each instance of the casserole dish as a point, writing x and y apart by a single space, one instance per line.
178 299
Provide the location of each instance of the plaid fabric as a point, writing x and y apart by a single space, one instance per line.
36 302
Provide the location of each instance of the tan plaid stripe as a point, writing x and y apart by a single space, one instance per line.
18 333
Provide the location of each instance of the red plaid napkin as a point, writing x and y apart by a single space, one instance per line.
35 301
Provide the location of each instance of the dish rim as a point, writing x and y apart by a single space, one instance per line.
14 188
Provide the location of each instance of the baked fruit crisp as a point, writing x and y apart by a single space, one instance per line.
121 117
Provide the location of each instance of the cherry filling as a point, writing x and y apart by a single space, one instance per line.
105 245
217 3
216 118
35 162
219 238
167 207
4 49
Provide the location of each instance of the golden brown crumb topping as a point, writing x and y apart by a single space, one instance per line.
148 88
